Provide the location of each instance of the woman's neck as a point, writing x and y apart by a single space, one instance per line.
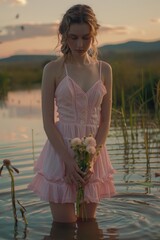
80 60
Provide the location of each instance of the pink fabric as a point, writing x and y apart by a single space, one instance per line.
79 116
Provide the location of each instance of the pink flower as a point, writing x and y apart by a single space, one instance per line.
90 149
90 141
75 142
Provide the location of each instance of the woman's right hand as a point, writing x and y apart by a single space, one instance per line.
73 174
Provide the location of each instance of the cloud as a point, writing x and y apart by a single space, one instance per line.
33 30
14 2
155 20
115 29
34 51
30 30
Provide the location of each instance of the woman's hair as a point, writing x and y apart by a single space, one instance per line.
78 14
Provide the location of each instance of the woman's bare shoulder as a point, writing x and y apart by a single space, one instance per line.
52 66
106 67
106 71
51 71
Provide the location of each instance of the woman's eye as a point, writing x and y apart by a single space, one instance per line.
73 37
86 38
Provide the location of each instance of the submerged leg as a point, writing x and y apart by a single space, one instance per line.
88 210
89 230
63 212
61 231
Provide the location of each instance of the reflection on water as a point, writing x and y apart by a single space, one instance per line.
22 103
133 214
19 114
79 230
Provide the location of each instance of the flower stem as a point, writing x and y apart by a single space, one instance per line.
13 195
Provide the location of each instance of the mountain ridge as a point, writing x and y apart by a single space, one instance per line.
132 46
125 47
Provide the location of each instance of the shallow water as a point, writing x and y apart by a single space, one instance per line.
134 213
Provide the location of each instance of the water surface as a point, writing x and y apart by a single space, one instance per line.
133 213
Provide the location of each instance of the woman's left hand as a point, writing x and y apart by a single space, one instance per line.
87 175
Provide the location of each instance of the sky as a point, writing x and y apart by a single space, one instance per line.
30 26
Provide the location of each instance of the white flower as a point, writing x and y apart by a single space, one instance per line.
91 149
90 141
75 142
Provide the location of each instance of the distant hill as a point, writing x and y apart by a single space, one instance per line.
27 58
132 46
127 47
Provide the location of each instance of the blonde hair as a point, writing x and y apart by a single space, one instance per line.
78 14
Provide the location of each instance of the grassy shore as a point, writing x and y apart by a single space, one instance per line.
136 78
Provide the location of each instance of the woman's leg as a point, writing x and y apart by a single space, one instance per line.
63 212
62 231
88 210
89 230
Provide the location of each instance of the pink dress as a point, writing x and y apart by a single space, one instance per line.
79 116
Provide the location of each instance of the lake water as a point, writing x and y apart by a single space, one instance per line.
134 213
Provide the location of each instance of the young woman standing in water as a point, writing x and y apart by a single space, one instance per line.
81 86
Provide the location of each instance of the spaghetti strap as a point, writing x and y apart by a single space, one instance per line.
66 71
100 69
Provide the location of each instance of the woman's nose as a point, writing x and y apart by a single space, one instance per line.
79 43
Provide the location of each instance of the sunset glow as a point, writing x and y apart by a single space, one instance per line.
29 27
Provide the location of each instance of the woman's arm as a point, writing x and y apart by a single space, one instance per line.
106 106
105 119
53 134
48 94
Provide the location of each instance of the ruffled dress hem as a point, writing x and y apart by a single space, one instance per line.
61 192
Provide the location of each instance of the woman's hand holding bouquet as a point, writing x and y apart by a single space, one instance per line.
85 152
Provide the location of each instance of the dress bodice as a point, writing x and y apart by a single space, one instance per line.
74 106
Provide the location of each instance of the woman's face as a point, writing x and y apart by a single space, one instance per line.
79 38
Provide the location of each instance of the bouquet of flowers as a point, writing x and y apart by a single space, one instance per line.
85 149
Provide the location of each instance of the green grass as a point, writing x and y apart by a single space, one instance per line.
135 79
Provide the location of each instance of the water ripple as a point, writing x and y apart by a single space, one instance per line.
132 214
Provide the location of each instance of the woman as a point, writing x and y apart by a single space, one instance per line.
82 89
